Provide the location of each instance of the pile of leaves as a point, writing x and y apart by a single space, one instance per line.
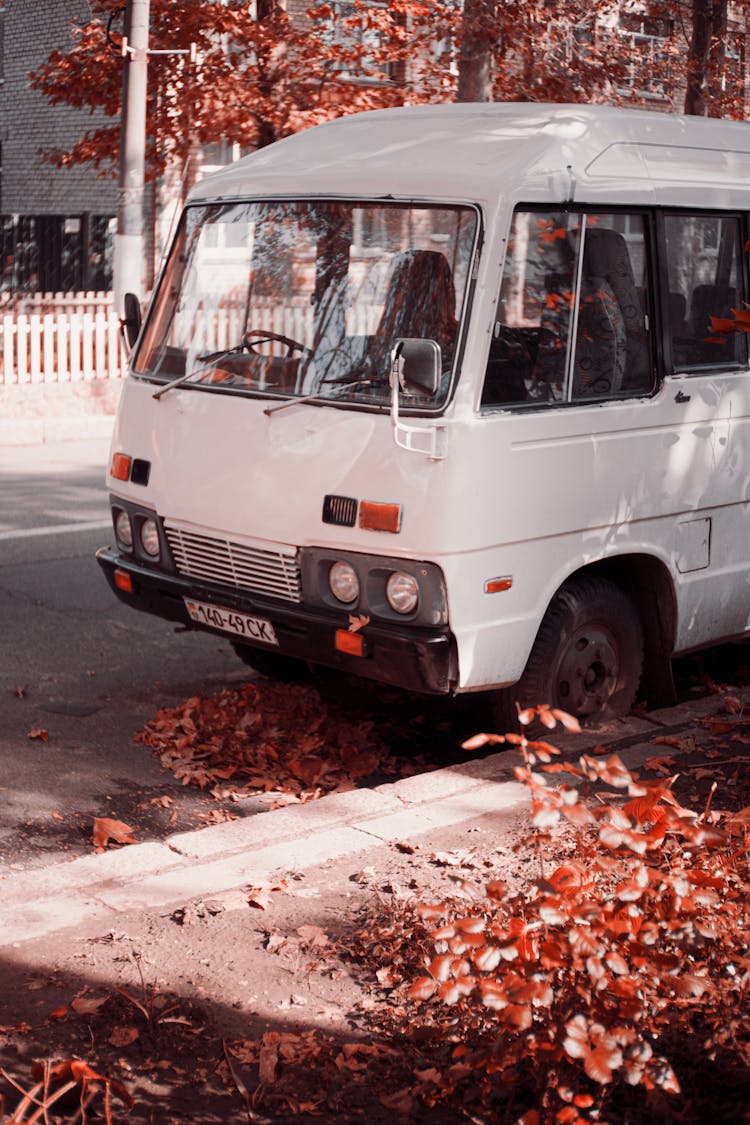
613 987
283 741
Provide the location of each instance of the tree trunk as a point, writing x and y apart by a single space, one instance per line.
475 54
717 58
698 54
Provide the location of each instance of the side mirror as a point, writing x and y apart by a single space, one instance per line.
419 364
131 322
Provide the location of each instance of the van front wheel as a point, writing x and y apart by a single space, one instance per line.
587 656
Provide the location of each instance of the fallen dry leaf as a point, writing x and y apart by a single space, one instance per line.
162 802
217 816
313 935
40 734
366 875
260 895
274 942
123 1036
106 829
401 1101
739 822
659 765
87 1005
269 1058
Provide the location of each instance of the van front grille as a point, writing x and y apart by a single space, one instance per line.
274 573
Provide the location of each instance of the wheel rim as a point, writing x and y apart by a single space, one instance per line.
588 672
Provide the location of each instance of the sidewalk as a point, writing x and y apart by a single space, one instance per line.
38 413
91 892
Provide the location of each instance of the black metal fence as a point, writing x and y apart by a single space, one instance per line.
55 253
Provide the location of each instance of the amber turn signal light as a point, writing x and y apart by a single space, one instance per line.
379 517
123 581
351 643
120 468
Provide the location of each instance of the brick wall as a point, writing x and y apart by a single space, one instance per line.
28 123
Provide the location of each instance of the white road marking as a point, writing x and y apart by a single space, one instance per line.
55 529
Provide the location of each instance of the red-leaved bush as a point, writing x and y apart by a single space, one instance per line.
612 966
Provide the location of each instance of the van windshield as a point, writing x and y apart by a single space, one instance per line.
292 298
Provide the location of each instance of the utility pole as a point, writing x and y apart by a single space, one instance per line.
129 239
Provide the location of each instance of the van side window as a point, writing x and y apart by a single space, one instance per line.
572 321
704 279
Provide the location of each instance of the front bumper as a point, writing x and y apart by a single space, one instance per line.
416 659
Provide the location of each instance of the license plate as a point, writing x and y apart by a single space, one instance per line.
231 621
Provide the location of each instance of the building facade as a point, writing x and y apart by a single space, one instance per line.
56 223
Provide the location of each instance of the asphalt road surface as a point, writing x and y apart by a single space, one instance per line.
77 664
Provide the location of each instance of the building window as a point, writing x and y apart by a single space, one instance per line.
348 30
55 253
648 45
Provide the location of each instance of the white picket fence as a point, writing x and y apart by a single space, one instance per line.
80 340
90 300
60 347
226 328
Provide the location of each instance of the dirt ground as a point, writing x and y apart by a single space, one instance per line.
188 1010
285 1001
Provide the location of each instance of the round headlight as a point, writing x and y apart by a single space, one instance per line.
149 535
124 529
402 592
342 578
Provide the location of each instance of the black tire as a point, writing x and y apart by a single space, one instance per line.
273 665
587 656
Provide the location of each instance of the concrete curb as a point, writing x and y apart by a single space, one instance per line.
208 861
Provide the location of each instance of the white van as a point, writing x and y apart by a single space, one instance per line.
449 397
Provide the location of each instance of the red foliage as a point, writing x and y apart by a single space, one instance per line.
251 81
254 80
587 976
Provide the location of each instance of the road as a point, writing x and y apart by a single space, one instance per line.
77 664
82 667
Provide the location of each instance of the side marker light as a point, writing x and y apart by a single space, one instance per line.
497 585
123 581
353 644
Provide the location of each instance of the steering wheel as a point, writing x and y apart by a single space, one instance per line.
258 336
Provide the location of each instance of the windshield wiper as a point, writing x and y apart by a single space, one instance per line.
205 358
175 383
318 397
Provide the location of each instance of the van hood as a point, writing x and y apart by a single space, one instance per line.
220 464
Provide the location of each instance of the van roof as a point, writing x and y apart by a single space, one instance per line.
471 151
